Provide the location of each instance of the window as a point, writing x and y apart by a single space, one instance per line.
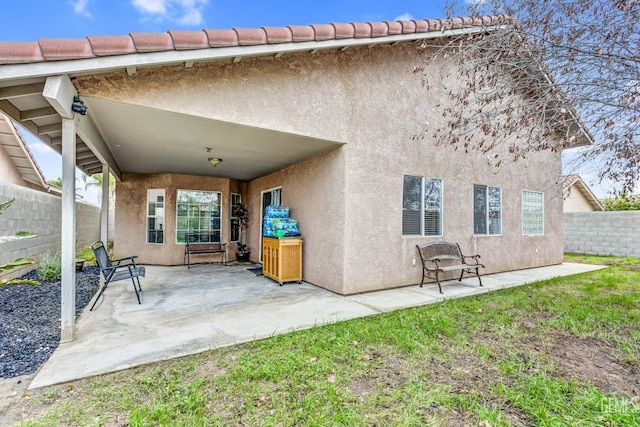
532 213
421 206
236 199
198 212
487 210
155 216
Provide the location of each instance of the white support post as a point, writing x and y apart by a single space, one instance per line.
104 207
68 249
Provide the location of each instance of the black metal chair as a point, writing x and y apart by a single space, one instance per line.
114 270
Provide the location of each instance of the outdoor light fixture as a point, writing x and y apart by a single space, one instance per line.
214 160
78 106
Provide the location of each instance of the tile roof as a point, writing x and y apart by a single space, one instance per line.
13 142
100 46
578 182
569 180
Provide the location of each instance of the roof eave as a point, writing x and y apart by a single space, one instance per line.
77 67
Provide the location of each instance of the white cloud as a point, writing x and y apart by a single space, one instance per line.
191 17
151 7
39 147
183 12
80 7
475 2
404 17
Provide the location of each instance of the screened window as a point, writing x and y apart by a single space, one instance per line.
236 199
198 212
421 206
487 210
532 213
155 216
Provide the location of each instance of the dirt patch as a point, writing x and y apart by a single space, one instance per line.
592 360
387 373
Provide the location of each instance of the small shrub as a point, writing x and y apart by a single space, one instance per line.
87 256
50 268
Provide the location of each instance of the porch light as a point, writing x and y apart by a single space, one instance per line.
214 160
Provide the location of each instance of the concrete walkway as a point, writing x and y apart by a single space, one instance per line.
209 306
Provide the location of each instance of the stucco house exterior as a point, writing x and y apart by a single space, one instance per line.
321 118
578 197
17 164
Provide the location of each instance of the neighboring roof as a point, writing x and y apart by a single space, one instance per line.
12 141
576 181
100 46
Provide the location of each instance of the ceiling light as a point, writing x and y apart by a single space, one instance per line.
214 160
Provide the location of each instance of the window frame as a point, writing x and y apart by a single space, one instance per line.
423 209
541 212
150 193
211 230
488 211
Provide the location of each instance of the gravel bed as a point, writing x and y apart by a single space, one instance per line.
30 319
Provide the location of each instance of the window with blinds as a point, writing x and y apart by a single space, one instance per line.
421 206
532 213
487 210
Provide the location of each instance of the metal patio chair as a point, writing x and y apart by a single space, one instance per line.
114 270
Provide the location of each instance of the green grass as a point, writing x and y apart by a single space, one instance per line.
88 256
562 352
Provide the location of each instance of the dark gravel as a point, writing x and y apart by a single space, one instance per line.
30 319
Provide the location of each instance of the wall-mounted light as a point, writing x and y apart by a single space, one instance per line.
215 161
78 106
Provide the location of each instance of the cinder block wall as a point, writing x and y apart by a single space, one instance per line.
602 233
40 213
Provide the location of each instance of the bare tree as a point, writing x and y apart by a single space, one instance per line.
552 68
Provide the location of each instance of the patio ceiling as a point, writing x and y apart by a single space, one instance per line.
146 141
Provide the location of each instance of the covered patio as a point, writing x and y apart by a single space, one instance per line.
210 306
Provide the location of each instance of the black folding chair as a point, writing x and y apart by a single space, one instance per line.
117 269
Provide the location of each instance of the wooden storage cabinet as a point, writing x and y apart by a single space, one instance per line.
282 259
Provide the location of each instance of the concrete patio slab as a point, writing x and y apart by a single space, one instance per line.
186 312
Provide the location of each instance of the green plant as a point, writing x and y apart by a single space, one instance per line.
50 267
622 201
241 219
87 255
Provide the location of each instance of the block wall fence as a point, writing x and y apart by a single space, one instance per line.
602 233
40 213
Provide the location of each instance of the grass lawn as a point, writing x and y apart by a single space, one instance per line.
558 352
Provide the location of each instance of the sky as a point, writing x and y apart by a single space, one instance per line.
29 20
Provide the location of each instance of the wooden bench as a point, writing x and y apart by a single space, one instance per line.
194 246
441 257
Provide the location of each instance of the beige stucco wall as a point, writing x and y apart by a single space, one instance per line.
575 201
131 210
10 174
8 171
349 200
314 192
